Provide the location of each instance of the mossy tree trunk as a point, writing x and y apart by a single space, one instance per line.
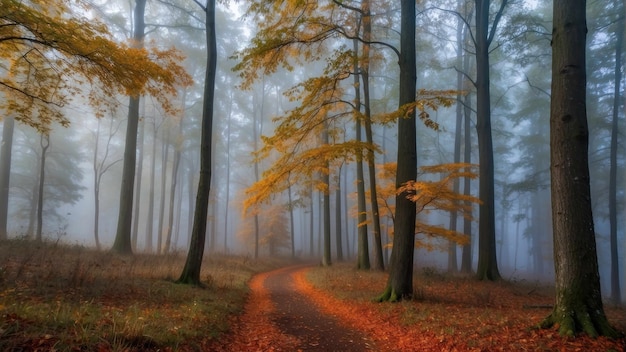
578 298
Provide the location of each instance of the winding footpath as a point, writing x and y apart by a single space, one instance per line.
280 317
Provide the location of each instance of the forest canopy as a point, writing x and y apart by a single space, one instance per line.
52 53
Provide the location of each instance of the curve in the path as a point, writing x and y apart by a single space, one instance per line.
296 315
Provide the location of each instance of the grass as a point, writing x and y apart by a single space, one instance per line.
73 298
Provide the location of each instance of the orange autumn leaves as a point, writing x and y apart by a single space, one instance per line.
52 54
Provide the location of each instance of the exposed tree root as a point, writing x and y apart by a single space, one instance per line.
389 295
573 321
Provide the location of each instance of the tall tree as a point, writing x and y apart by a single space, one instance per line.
487 262
5 173
100 167
138 178
148 245
363 255
578 304
400 280
466 256
193 264
326 256
123 243
165 152
45 144
616 293
364 69
178 146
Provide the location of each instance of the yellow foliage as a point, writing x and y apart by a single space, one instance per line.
424 101
430 195
51 56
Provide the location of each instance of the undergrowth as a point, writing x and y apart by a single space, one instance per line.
57 297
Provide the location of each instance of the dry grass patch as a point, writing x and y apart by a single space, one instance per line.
74 298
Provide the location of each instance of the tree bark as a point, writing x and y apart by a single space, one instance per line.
363 259
5 173
379 263
400 280
338 212
616 294
138 178
45 143
165 153
326 257
122 242
176 163
466 255
487 262
193 264
150 220
452 260
578 298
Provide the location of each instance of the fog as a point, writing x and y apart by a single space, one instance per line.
520 86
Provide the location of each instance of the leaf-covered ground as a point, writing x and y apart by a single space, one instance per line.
72 299
449 313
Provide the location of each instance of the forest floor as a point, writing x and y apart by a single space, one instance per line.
449 313
59 298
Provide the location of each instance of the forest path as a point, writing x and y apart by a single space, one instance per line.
279 316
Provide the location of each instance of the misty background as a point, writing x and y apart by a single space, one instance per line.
87 156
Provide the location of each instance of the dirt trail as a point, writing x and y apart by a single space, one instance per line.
280 317
297 316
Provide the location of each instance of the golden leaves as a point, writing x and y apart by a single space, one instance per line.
431 194
53 58
425 101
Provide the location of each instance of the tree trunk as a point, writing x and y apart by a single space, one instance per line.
165 153
257 130
311 224
616 294
326 257
363 259
346 218
5 173
379 263
338 217
193 264
45 143
122 242
291 221
138 179
96 188
466 255
150 220
173 184
487 262
578 298
400 280
452 260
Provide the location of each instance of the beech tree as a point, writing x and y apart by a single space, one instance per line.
400 280
487 263
578 304
5 172
193 264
